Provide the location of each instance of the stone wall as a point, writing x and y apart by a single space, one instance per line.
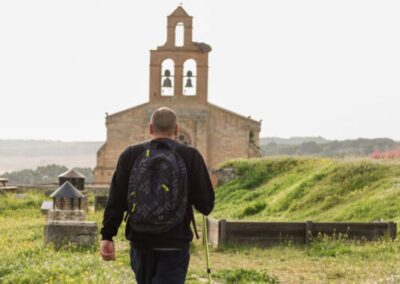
223 175
123 129
271 233
230 136
217 133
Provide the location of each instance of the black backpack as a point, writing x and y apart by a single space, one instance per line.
157 189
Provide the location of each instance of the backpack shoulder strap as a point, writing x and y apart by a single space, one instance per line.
166 144
173 145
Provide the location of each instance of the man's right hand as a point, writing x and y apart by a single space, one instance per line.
107 250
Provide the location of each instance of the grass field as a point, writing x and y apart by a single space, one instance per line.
25 259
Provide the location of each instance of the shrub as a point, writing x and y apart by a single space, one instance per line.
329 246
253 209
245 276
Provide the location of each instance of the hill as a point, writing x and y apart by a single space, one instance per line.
29 154
44 175
292 140
353 148
290 189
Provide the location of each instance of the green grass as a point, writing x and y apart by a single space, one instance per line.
267 189
298 189
25 259
237 276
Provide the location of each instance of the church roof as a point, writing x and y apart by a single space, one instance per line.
234 113
115 114
67 190
155 105
72 173
179 12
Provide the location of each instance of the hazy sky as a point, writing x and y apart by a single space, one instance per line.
306 68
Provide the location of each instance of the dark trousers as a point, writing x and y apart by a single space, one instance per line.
159 266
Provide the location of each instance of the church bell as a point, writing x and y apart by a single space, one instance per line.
167 81
189 84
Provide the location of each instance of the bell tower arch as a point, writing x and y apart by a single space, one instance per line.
180 49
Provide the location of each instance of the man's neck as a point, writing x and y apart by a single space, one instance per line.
162 137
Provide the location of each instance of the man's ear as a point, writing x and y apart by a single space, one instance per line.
151 130
176 130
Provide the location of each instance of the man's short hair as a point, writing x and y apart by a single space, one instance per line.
164 121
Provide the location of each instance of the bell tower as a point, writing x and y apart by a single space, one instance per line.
179 68
179 79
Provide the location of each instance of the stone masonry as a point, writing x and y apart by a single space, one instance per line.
66 215
64 232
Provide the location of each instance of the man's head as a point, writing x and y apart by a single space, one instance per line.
163 123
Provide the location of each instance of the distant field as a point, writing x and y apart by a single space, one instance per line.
29 154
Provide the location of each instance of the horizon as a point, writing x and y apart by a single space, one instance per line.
261 137
30 154
309 68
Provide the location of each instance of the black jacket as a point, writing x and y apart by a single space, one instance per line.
201 195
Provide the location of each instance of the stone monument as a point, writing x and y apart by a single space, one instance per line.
67 204
66 222
78 181
73 176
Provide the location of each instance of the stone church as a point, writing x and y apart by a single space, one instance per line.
179 79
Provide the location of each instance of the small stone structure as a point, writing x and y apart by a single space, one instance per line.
66 221
5 188
74 177
67 197
100 202
67 204
3 182
77 180
46 206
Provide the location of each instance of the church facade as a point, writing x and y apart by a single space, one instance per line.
179 80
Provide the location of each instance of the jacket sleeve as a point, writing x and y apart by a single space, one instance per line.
117 198
201 191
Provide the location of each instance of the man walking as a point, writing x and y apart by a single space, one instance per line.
156 183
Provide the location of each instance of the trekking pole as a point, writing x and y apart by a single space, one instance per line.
207 251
